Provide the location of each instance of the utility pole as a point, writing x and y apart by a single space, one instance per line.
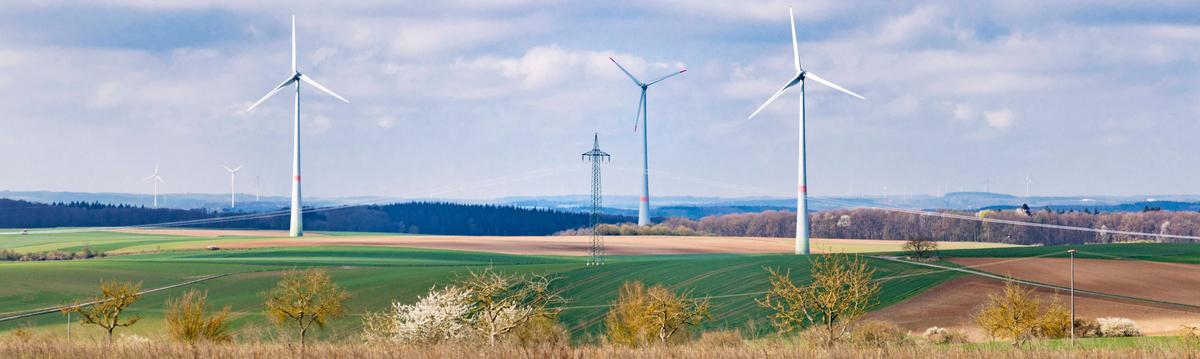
1072 253
596 157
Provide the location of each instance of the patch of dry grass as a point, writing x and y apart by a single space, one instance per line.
27 346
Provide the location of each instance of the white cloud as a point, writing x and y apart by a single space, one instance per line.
963 112
1000 119
385 122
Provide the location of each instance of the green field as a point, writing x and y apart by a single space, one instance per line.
376 276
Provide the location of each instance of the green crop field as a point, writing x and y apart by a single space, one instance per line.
376 276
1160 252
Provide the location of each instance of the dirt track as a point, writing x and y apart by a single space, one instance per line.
952 304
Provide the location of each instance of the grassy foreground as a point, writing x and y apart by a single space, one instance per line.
27 346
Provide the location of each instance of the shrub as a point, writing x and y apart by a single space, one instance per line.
879 334
541 331
939 335
1086 328
188 320
105 309
643 315
1118 327
1055 321
840 292
439 316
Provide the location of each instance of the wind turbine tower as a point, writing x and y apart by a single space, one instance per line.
1028 181
802 189
155 178
644 205
232 185
297 225
596 157
257 187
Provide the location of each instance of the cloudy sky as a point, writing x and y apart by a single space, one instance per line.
480 99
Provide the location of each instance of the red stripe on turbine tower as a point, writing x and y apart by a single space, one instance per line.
645 199
803 189
297 178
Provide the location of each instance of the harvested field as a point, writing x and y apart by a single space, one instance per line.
558 245
578 245
1169 282
207 232
952 304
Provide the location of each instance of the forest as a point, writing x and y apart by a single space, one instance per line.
409 217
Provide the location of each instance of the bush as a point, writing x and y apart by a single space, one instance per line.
189 321
1086 328
1118 327
542 331
939 335
879 334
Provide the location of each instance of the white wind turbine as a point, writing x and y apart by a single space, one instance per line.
232 185
644 206
297 225
155 179
802 189
1028 181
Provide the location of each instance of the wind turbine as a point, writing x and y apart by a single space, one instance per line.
1028 181
297 226
644 206
257 187
802 189
233 185
155 178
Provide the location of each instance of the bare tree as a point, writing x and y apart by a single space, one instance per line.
304 298
840 292
919 247
502 302
105 309
642 315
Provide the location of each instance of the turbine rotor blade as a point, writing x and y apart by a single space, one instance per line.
226 168
641 104
293 43
150 177
238 168
666 77
795 46
314 83
157 178
778 93
809 75
272 93
635 80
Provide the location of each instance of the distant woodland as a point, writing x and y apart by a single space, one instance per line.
881 224
412 217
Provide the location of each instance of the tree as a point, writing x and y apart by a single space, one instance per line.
1016 314
304 298
919 247
501 302
105 309
640 315
188 320
439 316
840 292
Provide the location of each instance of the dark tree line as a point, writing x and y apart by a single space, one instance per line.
412 217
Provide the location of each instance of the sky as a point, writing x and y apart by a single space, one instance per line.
482 99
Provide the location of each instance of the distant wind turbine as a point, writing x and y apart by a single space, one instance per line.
1027 183
257 187
802 189
232 185
155 178
297 225
644 206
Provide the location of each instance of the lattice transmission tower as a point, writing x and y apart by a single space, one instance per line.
596 157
